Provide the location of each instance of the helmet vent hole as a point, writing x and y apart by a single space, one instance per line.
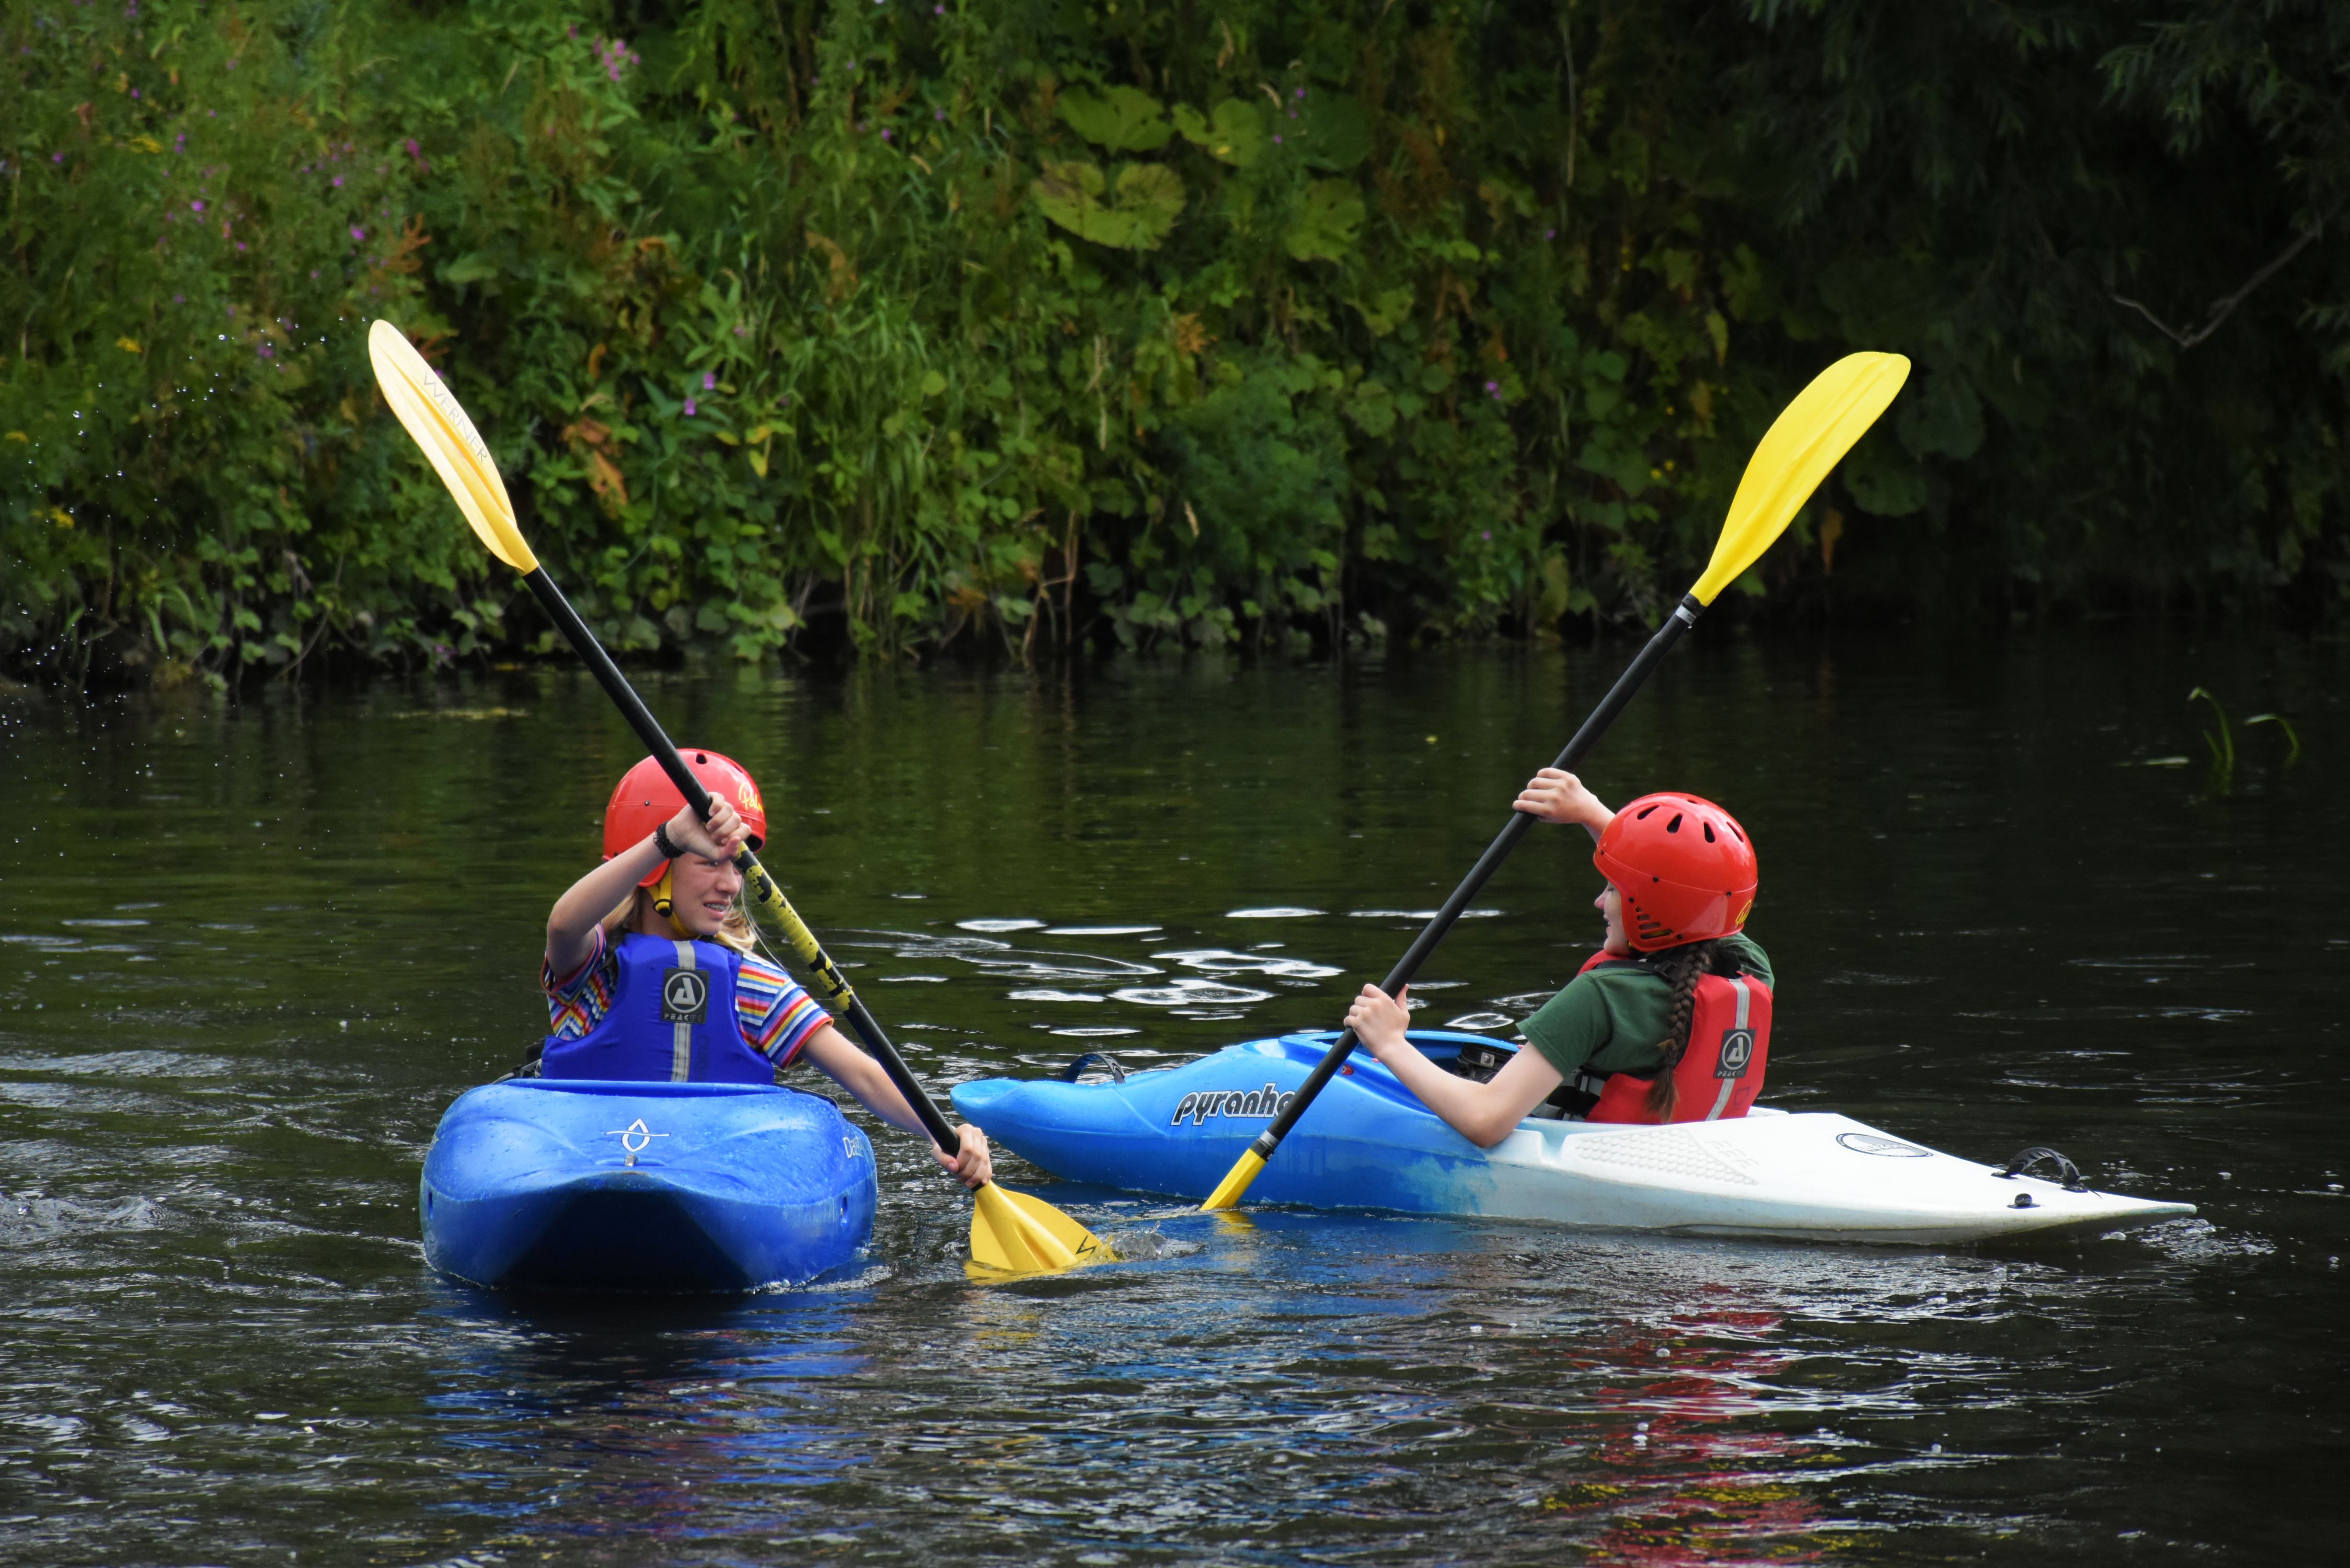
702 758
1709 832
1675 825
1644 815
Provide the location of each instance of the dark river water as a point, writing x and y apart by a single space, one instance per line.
248 951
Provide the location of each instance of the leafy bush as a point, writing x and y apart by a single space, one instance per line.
910 325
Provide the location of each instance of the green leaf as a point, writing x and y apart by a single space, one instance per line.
1884 479
1557 588
1336 132
1124 118
1944 416
1373 407
472 268
1233 132
1147 200
1389 309
1324 229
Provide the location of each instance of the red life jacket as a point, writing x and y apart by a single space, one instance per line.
1722 1071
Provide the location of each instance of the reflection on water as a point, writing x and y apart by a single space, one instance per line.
250 953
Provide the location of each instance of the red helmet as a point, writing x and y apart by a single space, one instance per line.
1684 866
645 799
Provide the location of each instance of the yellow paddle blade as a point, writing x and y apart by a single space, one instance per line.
1235 1182
1809 438
450 442
1015 1233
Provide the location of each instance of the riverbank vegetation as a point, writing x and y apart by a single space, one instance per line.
835 326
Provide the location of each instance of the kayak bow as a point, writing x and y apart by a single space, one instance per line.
582 1184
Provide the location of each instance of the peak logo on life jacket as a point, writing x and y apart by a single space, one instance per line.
1258 1105
685 996
1737 1051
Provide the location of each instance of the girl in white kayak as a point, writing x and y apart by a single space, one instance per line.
1669 1022
650 972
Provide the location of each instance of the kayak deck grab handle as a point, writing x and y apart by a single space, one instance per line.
1103 1059
2023 1159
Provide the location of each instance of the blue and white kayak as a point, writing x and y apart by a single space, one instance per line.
1369 1144
581 1184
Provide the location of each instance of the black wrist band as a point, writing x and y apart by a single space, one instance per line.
661 841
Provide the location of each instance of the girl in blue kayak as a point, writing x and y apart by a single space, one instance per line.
1669 1022
650 972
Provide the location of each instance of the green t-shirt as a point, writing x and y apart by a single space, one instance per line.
1612 1019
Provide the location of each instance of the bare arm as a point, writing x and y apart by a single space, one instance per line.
571 924
861 1075
1556 796
1484 1113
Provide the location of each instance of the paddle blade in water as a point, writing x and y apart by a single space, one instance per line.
1235 1182
450 442
1014 1234
1807 439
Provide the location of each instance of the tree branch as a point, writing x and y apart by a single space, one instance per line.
2223 308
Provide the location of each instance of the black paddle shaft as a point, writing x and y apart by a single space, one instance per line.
656 740
1635 675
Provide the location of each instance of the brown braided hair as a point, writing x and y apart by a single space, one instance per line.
1681 968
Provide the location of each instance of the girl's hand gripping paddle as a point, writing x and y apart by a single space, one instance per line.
1807 440
1010 1232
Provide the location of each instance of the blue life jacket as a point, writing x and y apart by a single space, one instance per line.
672 1016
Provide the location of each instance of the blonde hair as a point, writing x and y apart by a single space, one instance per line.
633 912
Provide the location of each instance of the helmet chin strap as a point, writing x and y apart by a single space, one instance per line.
665 894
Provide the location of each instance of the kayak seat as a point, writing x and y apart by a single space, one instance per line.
1479 1060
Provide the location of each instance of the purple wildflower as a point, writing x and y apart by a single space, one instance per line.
690 410
1550 234
1489 533
1276 140
1301 92
337 181
939 113
709 381
358 232
197 205
56 157
885 134
1493 391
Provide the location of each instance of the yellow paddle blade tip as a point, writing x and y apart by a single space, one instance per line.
1019 1233
1235 1182
1807 439
437 424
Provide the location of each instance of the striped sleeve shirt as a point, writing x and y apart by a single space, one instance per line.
776 1015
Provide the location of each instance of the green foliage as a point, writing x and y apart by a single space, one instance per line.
905 325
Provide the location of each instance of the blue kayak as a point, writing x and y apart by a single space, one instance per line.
1369 1143
583 1184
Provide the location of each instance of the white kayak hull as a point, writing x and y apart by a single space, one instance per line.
1812 1175
1369 1143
